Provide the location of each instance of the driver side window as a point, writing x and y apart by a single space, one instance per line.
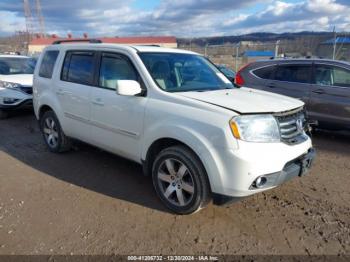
332 76
114 68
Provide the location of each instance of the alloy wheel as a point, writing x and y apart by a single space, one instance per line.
51 132
176 182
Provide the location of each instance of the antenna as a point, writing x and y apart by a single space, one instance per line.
40 19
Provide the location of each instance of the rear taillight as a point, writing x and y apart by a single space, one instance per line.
239 80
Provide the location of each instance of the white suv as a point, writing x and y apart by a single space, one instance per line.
198 136
16 80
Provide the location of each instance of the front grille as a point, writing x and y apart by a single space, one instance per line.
27 89
292 125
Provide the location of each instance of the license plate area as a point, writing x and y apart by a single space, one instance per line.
306 162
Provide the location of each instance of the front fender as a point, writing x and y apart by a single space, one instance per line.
207 153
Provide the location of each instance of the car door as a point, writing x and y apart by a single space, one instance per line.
292 80
117 121
330 95
74 90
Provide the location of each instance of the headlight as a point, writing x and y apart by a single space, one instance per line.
10 85
255 128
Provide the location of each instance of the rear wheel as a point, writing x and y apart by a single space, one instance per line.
54 137
3 114
180 180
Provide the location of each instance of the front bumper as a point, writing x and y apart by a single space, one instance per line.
296 168
11 99
232 172
28 103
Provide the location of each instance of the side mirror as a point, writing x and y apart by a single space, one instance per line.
128 88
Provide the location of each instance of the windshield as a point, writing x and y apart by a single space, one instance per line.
226 71
174 72
16 65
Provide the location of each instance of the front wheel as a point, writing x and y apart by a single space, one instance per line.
54 137
180 180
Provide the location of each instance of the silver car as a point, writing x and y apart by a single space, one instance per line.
324 86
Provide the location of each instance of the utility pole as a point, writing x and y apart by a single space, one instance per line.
40 19
238 45
206 50
277 48
335 43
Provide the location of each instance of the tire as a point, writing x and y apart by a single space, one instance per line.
55 139
180 180
3 114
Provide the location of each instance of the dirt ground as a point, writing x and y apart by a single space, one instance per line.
91 202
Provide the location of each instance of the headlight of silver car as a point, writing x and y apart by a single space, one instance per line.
10 85
255 128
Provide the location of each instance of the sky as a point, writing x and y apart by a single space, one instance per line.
181 18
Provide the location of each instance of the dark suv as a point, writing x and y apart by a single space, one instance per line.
324 85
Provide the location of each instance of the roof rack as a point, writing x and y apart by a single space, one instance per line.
148 45
296 57
91 41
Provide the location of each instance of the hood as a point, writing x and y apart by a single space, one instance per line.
246 100
22 79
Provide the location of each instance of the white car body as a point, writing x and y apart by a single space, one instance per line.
20 96
129 126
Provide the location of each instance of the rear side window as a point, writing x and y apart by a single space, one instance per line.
48 64
293 73
265 72
78 68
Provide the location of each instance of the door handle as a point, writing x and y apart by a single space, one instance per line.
319 91
98 102
271 85
60 92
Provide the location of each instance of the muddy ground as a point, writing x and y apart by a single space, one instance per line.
91 202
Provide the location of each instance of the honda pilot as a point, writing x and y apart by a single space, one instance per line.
198 136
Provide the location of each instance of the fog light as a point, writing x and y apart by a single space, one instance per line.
265 181
260 182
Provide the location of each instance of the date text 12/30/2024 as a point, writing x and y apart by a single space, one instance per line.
172 258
